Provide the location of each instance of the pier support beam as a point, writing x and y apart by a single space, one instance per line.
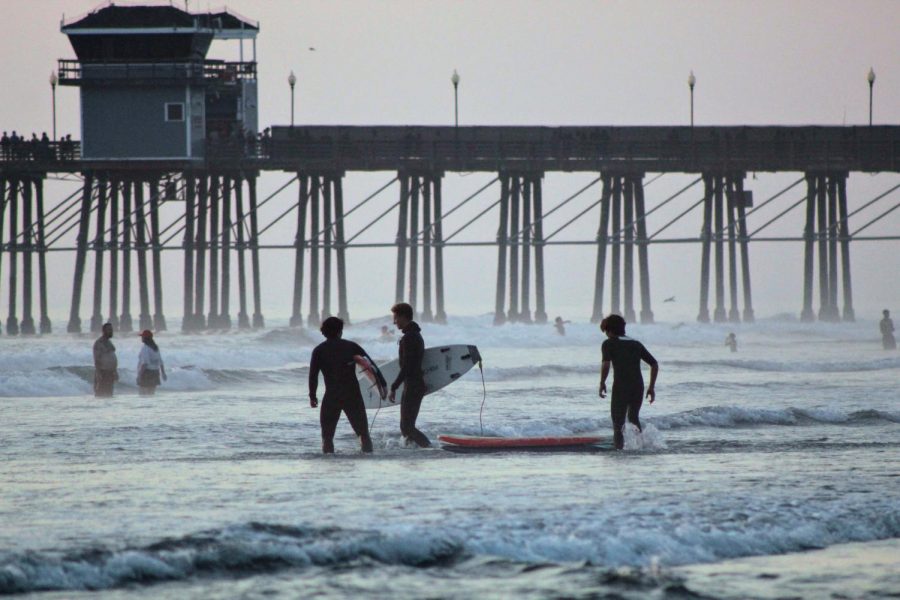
45 325
258 320
602 242
628 227
190 199
299 251
12 321
74 325
640 216
27 326
419 224
215 190
540 308
159 320
125 321
243 317
99 246
826 222
705 243
199 320
224 317
146 322
113 318
502 243
314 206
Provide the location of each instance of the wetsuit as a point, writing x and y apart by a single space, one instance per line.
887 334
412 351
334 358
626 355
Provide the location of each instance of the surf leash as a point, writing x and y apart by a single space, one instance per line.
483 398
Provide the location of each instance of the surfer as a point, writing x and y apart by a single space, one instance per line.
887 331
560 325
106 365
412 350
386 334
731 341
626 355
335 359
150 365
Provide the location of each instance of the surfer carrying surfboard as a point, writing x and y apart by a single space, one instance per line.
412 350
625 355
336 359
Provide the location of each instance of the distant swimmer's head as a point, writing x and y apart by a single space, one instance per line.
558 319
613 325
332 328
107 329
147 334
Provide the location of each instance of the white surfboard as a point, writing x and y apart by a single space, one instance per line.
442 365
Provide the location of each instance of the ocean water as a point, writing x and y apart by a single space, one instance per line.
773 472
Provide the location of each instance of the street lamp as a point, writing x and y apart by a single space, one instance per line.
691 82
292 81
54 79
871 79
454 79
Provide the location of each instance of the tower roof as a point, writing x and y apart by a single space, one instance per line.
160 20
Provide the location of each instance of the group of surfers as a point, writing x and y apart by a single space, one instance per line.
336 360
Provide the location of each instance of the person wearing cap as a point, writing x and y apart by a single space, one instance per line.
106 365
150 365
336 359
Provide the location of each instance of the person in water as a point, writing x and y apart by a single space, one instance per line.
150 365
412 351
336 359
106 365
731 341
386 334
887 331
560 325
625 356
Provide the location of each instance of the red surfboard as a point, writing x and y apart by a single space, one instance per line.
474 442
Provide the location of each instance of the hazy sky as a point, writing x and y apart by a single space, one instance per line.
533 63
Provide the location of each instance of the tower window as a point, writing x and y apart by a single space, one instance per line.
174 111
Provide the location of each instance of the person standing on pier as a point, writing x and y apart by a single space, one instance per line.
106 365
887 331
337 359
150 365
625 356
412 351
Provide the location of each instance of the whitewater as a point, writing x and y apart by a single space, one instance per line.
767 473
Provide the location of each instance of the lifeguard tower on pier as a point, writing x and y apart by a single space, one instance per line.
148 92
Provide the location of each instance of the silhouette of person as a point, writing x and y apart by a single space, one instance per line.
887 331
412 352
106 365
625 356
150 365
731 341
335 358
386 334
560 325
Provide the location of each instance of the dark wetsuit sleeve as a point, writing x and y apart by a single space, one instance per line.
647 357
412 351
604 351
314 373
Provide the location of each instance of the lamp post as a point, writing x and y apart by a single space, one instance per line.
454 79
871 79
54 79
292 81
691 82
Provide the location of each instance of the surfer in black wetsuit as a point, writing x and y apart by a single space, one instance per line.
626 355
412 351
335 359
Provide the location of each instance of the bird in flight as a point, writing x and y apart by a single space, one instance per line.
670 299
